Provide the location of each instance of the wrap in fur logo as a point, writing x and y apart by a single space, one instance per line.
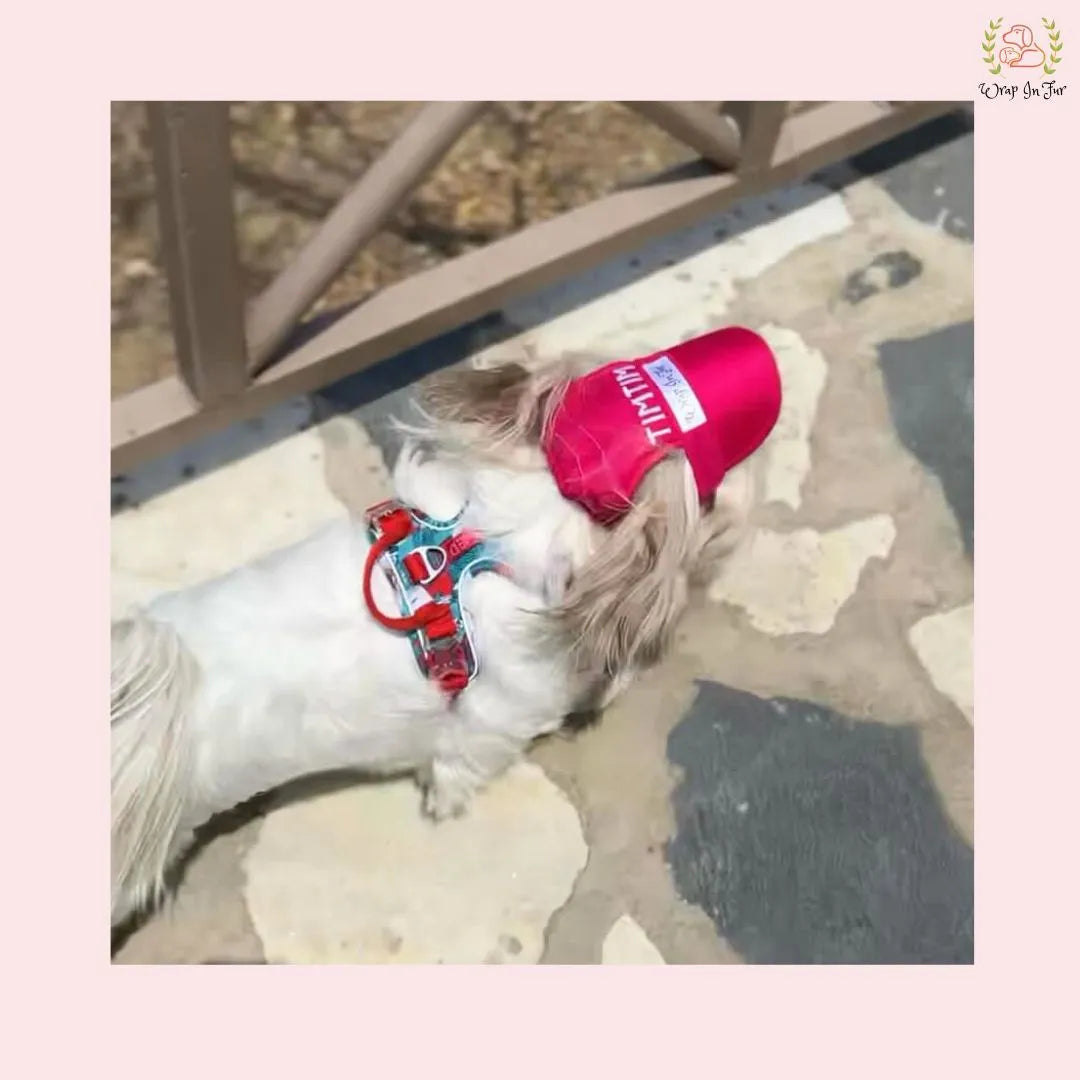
1017 54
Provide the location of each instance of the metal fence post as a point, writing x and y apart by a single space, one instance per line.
193 170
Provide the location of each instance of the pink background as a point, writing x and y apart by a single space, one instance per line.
70 1013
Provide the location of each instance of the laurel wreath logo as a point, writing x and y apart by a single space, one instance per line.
990 42
1055 46
988 45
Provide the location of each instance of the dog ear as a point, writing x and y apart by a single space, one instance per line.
491 397
501 405
506 404
621 608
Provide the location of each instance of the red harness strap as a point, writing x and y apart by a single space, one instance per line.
445 659
395 527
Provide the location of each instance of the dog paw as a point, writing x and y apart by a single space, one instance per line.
424 776
445 796
441 805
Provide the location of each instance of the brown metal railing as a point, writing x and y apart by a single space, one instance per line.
232 356
387 184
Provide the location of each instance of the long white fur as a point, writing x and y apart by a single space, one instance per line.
277 670
153 680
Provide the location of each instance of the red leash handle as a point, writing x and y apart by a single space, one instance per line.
393 528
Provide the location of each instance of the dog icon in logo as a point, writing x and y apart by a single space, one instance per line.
1020 50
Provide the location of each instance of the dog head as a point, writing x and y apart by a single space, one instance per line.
624 592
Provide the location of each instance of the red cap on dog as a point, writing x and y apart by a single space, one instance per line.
715 398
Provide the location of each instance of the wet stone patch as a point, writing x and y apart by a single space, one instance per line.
890 270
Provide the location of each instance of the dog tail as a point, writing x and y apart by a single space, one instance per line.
154 678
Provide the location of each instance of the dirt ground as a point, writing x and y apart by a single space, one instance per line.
521 163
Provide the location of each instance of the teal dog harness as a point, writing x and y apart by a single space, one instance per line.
426 562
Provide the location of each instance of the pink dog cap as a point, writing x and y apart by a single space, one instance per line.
716 398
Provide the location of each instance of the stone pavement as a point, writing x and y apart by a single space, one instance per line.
795 783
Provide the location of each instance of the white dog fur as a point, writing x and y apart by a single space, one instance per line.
277 670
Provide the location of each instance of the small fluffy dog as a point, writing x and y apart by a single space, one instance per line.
281 668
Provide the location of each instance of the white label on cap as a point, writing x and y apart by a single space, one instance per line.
677 392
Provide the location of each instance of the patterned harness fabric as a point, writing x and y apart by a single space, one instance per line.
426 561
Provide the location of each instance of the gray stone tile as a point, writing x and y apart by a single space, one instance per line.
929 172
808 837
929 382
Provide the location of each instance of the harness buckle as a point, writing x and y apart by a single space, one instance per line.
389 519
448 664
426 563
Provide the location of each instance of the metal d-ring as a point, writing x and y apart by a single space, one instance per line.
432 570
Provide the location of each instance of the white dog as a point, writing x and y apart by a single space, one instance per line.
281 669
